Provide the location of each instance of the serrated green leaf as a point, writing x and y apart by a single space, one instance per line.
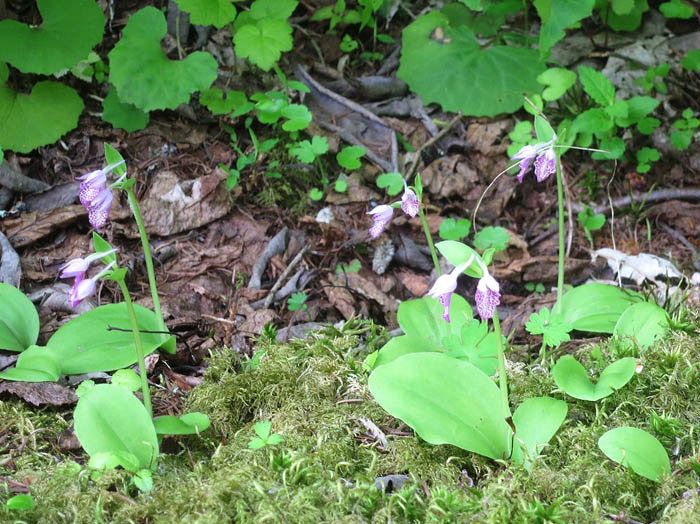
220 103
262 429
597 85
262 9
456 73
69 32
145 77
451 229
349 157
491 236
296 301
256 443
123 115
594 120
209 12
615 147
393 182
298 117
49 112
264 42
561 14
553 328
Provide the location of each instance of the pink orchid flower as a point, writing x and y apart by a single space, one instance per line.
96 196
445 285
77 267
409 201
381 216
488 294
544 157
84 287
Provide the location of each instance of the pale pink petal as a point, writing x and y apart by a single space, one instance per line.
377 228
487 296
80 291
409 202
74 267
381 216
545 165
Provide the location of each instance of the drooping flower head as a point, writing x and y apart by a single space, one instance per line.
409 201
445 285
488 294
96 196
381 216
543 155
77 267
84 287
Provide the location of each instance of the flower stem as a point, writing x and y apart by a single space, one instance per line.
133 203
139 348
502 379
562 248
429 238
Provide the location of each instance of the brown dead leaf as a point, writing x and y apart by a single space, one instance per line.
256 320
487 137
171 206
338 295
417 284
40 393
370 290
538 269
682 216
451 176
30 227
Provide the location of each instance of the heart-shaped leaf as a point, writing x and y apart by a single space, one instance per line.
451 229
447 65
122 115
49 112
572 378
446 401
349 157
110 418
644 322
393 182
536 421
87 343
70 30
558 16
187 424
638 450
19 321
209 12
142 73
214 100
264 42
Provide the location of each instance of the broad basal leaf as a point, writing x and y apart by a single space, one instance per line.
445 400
144 76
446 65
19 321
110 418
572 377
68 34
209 12
644 322
48 113
638 450
596 307
122 115
536 421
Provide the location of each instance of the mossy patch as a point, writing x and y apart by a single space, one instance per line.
315 394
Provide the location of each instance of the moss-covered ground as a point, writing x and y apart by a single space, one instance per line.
315 394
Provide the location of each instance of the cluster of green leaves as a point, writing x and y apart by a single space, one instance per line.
590 221
142 77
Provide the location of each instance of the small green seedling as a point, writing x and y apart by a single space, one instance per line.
653 79
451 229
262 430
353 267
296 301
20 502
491 236
393 182
349 157
533 287
553 328
684 129
645 157
590 221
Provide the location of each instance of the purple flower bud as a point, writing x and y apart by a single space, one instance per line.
381 216
487 296
409 201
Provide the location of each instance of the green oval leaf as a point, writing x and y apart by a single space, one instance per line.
142 73
596 307
572 378
70 30
638 450
446 401
536 421
19 321
188 424
110 418
86 343
644 322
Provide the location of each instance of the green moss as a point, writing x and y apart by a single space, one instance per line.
324 471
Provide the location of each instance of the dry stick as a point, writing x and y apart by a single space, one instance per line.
654 196
271 296
442 133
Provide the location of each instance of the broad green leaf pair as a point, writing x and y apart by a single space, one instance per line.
448 401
